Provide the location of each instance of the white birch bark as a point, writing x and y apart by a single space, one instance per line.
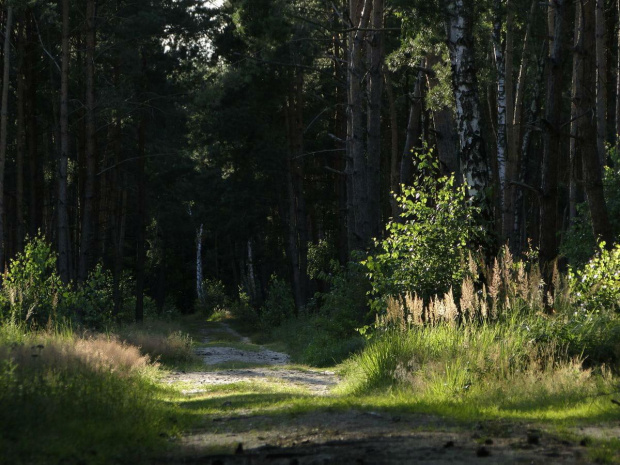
199 274
473 158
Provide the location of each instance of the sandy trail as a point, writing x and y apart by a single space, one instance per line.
270 367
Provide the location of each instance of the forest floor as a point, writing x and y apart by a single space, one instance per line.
250 406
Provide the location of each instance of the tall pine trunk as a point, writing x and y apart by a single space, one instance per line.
4 115
592 172
375 92
601 82
63 161
88 220
358 221
551 136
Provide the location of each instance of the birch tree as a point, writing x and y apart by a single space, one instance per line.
474 164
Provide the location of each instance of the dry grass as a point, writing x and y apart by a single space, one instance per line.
163 341
487 293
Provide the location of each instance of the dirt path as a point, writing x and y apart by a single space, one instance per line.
237 435
270 366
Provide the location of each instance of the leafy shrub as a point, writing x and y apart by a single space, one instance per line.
32 290
596 286
279 304
425 250
213 296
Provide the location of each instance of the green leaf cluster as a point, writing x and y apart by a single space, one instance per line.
596 286
425 247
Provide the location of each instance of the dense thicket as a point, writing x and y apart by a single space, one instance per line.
273 133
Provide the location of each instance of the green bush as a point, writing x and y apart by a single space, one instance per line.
279 304
213 297
32 291
596 286
424 252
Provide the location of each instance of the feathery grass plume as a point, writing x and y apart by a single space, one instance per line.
494 283
395 315
484 311
468 300
451 310
472 267
415 308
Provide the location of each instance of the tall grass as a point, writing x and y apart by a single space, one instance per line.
71 399
489 365
509 341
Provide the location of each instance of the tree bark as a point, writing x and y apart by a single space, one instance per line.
473 159
446 138
87 236
586 101
375 93
21 139
601 83
500 66
576 88
618 87
551 137
63 161
358 221
141 223
413 139
4 114
515 132
199 276
394 148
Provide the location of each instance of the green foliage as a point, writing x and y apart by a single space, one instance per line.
33 293
279 304
596 286
328 335
425 249
32 290
214 297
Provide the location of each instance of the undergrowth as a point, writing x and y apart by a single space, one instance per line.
77 399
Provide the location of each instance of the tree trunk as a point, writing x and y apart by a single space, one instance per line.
21 139
601 83
500 66
297 230
446 138
592 172
413 138
63 161
358 220
618 88
199 276
576 89
87 237
551 138
141 223
394 148
375 92
533 120
513 159
4 115
474 163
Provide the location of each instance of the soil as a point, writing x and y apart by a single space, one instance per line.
352 437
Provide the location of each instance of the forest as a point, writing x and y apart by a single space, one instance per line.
309 231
